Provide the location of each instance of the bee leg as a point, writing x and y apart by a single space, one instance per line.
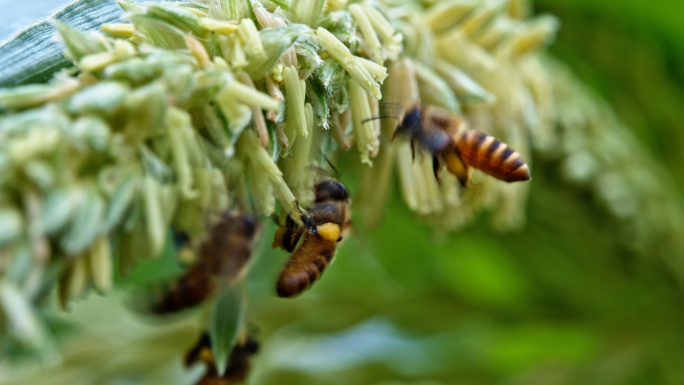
292 238
436 168
413 150
309 223
287 235
455 165
305 219
396 130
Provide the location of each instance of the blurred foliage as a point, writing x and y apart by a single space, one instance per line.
631 53
560 302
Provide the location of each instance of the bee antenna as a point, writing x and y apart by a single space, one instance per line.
379 117
337 173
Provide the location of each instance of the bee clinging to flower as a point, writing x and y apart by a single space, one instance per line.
327 223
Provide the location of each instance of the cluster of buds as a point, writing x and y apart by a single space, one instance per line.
480 60
189 109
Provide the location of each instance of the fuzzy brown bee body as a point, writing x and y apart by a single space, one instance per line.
222 259
453 145
329 221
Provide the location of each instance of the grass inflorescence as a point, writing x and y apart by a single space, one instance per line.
196 107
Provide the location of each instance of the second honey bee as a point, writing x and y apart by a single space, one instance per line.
459 149
327 223
222 259
238 364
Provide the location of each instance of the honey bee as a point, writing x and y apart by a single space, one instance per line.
458 148
328 221
238 361
222 259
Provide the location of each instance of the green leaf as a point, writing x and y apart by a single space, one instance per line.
158 32
226 324
180 18
237 9
33 56
276 41
78 43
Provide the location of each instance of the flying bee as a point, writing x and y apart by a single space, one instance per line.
238 361
491 156
327 223
458 148
222 259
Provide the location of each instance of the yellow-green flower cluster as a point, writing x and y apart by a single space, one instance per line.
471 58
189 109
600 155
196 107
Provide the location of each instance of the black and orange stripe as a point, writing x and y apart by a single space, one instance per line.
491 156
306 265
315 253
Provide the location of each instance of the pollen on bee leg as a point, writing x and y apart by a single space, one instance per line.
206 355
187 255
329 231
455 165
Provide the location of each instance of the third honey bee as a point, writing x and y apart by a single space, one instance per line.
326 224
222 259
458 148
238 365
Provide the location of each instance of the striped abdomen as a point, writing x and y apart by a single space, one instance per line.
188 291
492 157
222 259
306 265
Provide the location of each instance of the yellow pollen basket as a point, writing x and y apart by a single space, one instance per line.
329 231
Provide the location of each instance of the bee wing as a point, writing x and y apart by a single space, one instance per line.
371 263
446 121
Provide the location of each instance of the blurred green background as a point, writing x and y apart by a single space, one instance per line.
559 302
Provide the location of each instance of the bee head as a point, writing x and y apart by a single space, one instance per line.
331 189
249 225
411 124
251 345
243 224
